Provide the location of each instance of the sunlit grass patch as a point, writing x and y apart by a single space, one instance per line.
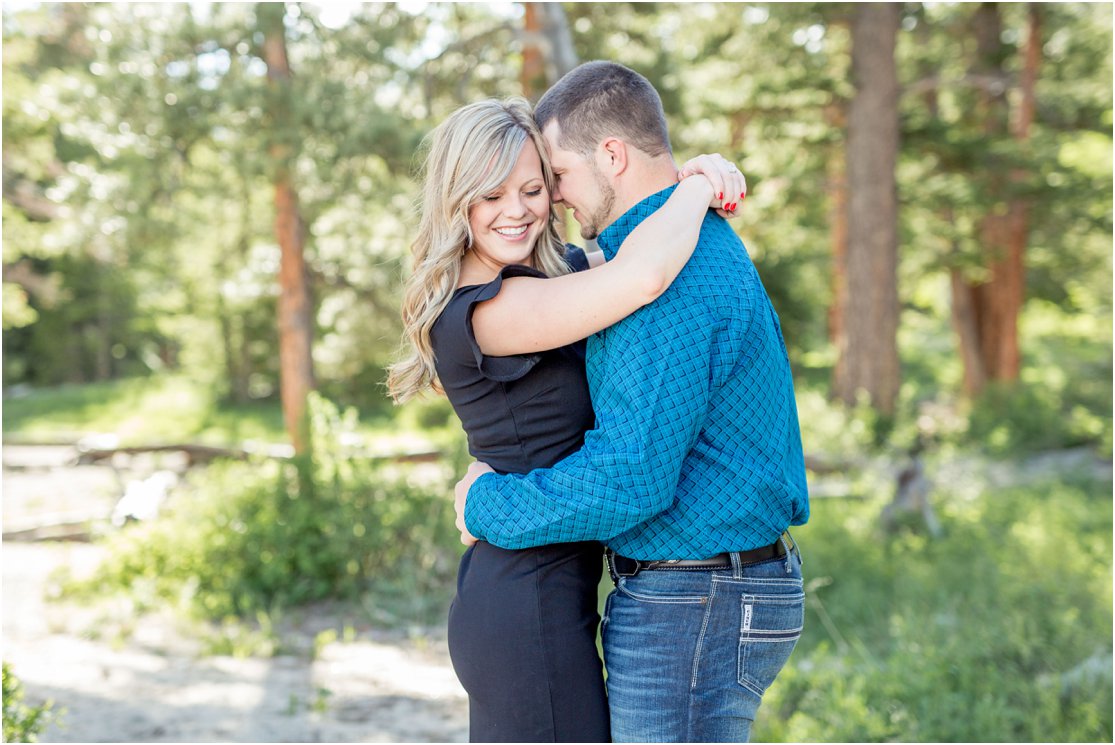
992 632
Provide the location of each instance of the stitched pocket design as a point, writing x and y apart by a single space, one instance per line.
660 597
770 626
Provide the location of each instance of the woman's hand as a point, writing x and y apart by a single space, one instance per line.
726 180
476 469
571 307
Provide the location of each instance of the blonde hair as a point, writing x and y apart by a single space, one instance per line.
469 155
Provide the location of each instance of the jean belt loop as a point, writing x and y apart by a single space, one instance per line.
786 546
737 565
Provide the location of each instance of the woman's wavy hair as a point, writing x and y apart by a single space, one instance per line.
468 156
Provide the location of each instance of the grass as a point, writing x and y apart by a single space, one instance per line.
175 408
991 632
138 410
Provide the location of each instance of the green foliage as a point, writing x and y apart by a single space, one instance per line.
22 723
156 408
1064 396
138 211
998 631
256 537
1014 418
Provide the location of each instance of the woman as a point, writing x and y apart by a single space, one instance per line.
495 310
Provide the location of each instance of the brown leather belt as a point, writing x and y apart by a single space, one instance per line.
621 566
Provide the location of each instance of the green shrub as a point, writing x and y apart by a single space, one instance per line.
22 723
245 538
1025 417
1000 630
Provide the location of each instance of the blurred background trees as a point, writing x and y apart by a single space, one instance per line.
145 149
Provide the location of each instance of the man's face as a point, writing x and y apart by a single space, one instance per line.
580 185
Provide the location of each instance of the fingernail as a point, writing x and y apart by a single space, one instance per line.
743 196
720 195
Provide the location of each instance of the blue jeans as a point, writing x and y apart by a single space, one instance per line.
689 654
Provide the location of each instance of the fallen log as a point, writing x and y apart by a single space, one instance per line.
194 453
204 453
56 527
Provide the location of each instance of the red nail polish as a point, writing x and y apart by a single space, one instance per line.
743 196
720 195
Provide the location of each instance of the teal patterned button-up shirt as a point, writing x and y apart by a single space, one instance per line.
696 448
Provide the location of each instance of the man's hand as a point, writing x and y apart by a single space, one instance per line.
460 492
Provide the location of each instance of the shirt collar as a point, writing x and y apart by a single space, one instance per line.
615 234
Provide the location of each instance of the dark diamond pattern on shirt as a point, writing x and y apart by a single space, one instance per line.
696 448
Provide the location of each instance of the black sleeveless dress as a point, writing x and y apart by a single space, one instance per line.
522 627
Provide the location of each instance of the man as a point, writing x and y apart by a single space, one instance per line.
694 470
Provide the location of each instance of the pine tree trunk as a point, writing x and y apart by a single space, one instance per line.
869 350
532 75
295 314
548 54
548 51
1012 273
967 333
563 55
1004 231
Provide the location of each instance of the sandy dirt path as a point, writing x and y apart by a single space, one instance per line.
155 686
117 677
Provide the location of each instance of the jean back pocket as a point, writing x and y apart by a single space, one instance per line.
770 626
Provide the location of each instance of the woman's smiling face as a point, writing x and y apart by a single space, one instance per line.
507 222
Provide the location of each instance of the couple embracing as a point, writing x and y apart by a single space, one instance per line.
630 409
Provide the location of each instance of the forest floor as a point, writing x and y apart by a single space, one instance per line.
115 675
319 674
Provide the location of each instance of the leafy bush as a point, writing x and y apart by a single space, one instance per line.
254 537
158 407
1028 417
998 631
22 723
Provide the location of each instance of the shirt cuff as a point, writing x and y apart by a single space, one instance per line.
474 512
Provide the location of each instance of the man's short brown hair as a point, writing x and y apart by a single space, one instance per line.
605 99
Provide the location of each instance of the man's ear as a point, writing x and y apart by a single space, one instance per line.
611 156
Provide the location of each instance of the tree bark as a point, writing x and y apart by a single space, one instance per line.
1011 274
563 54
295 311
532 76
548 51
868 349
967 332
997 301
